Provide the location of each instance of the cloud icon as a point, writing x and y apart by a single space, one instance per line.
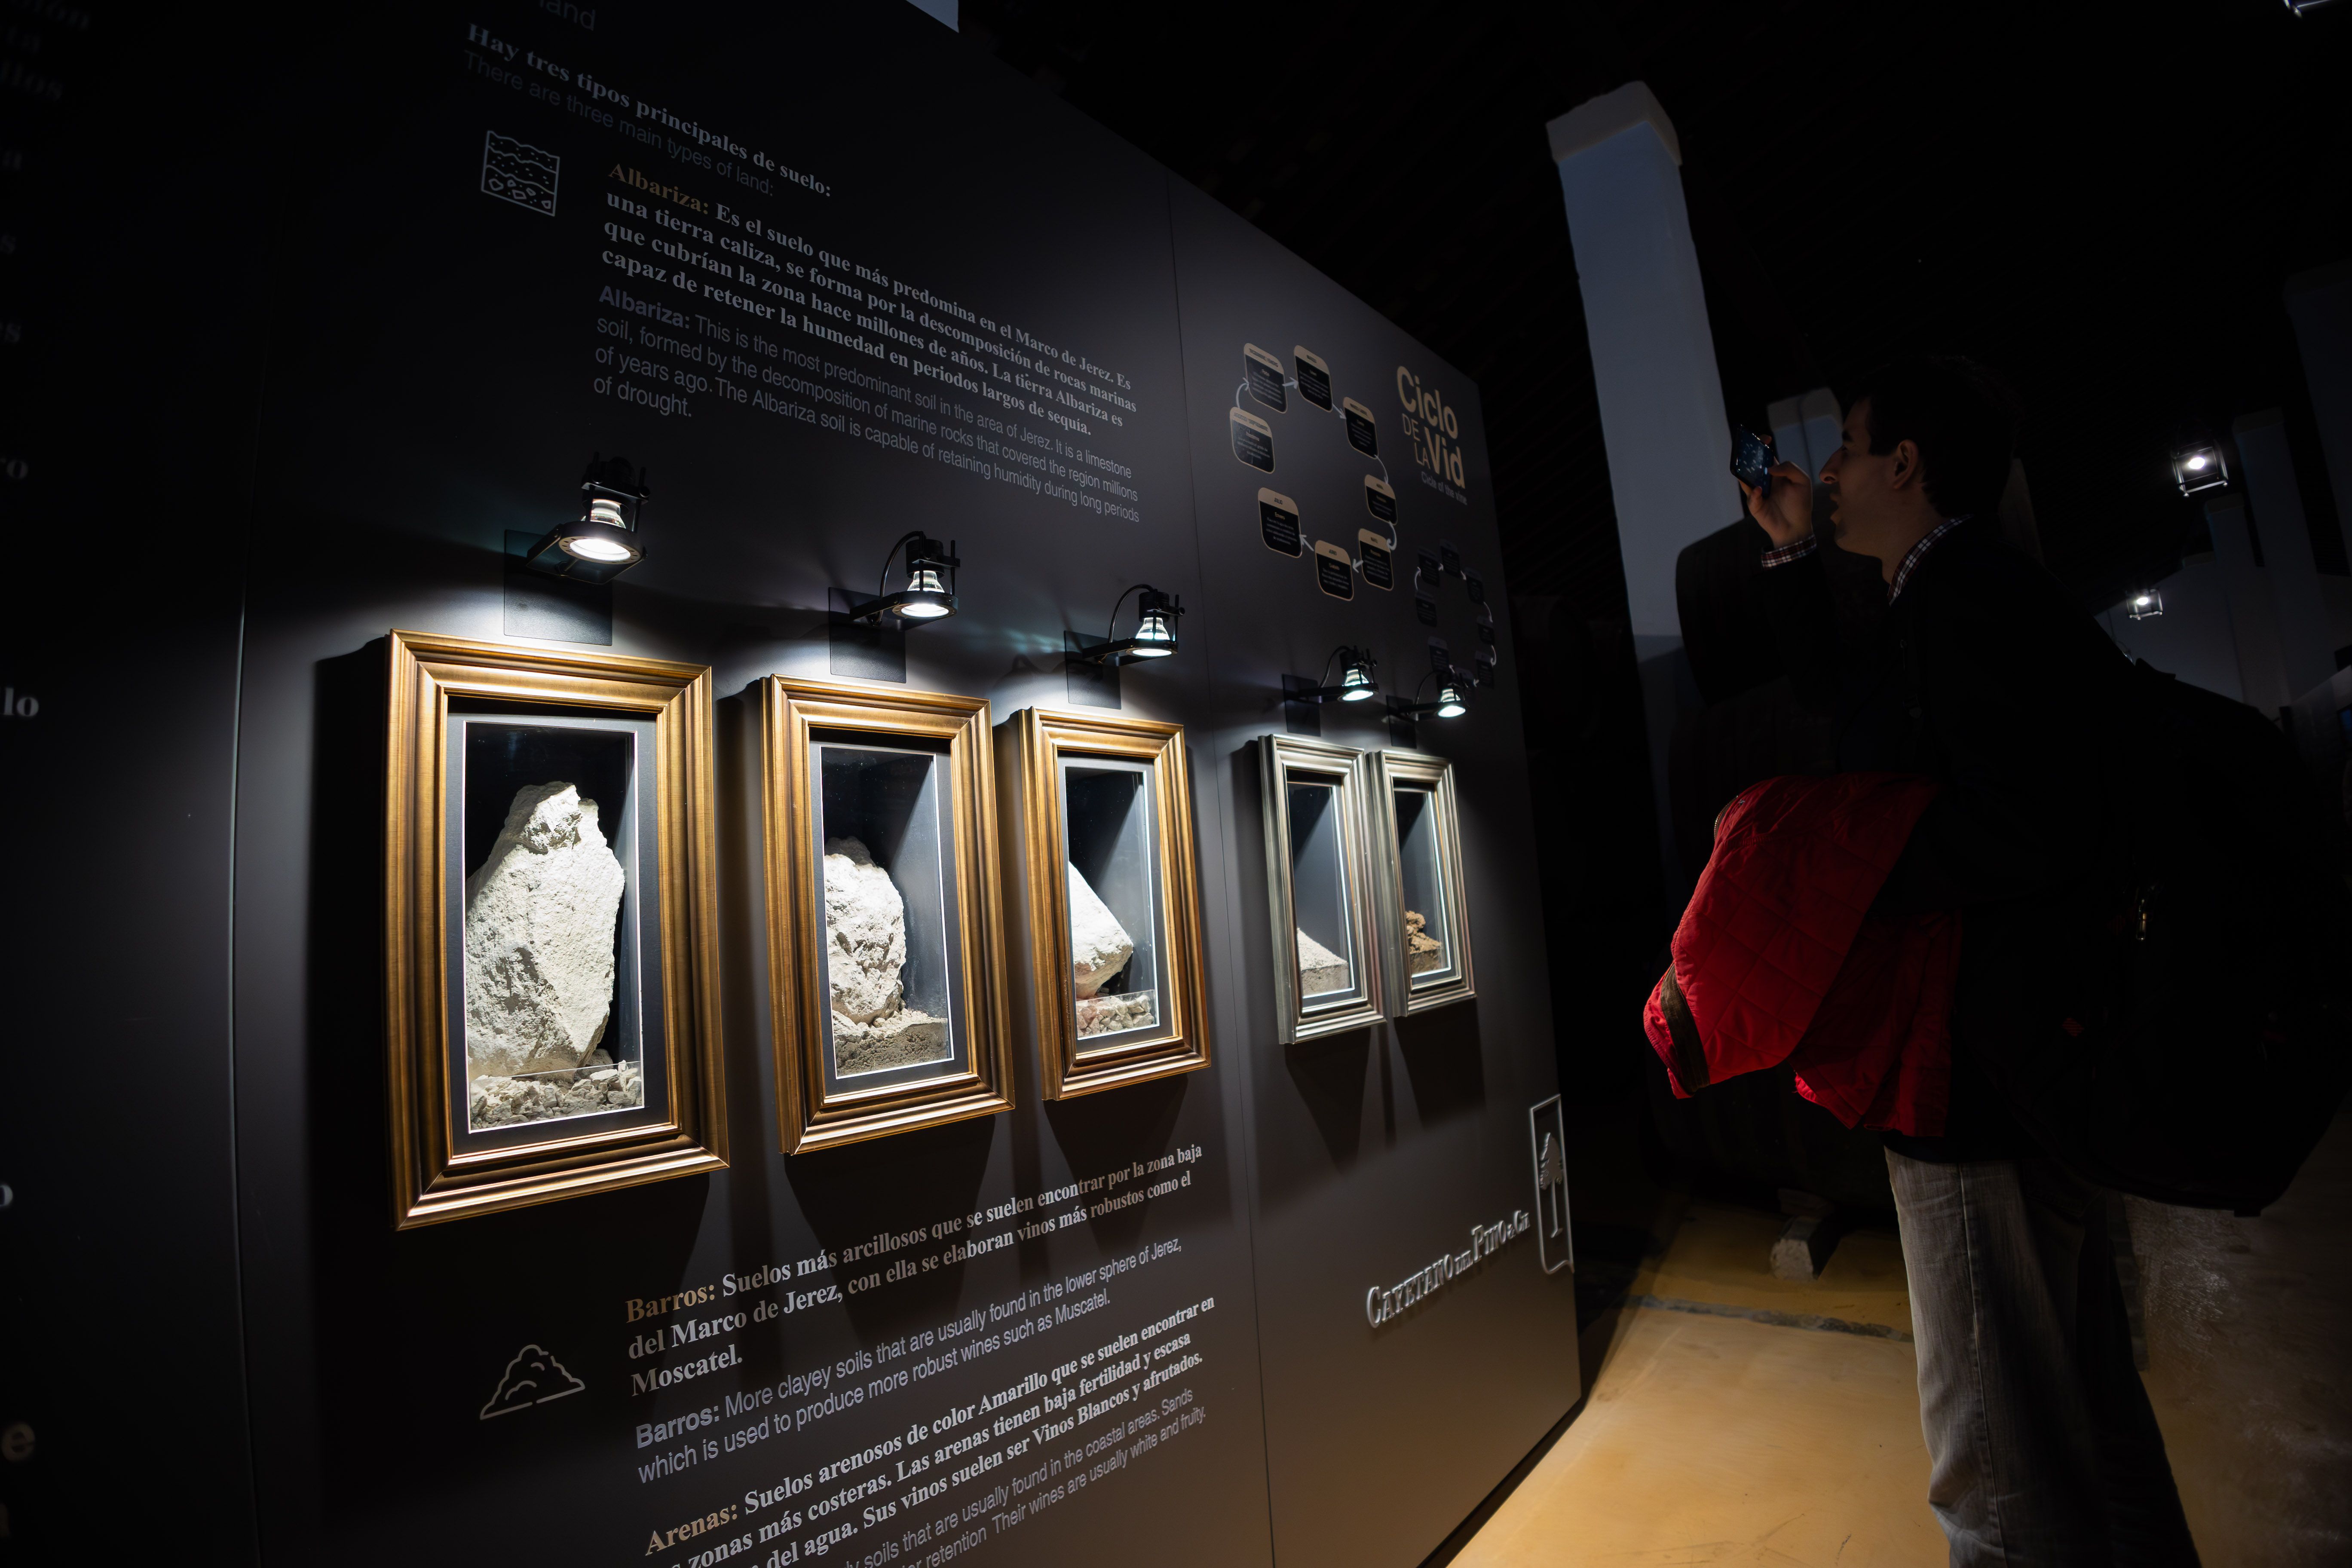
533 1378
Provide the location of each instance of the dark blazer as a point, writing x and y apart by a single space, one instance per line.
1985 677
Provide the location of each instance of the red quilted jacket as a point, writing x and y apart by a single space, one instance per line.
1777 958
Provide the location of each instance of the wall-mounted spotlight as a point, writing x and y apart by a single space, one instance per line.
1154 635
2145 603
603 542
1453 701
1360 679
2198 465
929 594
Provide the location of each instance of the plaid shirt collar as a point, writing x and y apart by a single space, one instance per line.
1918 553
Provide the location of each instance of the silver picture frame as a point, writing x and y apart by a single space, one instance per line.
1418 831
1320 887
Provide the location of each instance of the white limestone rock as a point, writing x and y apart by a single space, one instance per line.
1099 945
1319 969
1423 952
497 1101
539 916
865 922
1108 1014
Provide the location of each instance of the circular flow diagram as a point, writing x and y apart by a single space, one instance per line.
1335 568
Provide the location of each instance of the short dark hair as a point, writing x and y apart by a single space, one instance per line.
1961 417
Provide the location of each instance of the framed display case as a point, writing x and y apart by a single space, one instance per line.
886 946
1424 914
1099 809
1319 872
551 970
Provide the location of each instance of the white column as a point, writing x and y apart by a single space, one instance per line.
2252 620
2320 302
1662 420
2307 656
2193 637
1662 415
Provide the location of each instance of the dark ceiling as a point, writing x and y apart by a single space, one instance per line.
2101 203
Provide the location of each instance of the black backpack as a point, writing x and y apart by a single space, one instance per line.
2202 1046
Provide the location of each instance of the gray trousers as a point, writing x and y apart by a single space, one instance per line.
2042 1444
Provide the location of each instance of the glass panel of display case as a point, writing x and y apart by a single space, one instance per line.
1326 866
1098 809
886 954
1321 904
1425 957
551 1017
1422 906
1107 833
550 913
889 961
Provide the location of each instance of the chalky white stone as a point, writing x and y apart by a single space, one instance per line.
1099 945
495 1101
539 917
866 924
1319 969
1108 1015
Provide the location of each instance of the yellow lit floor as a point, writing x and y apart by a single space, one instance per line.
1735 1419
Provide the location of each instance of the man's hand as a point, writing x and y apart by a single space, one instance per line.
1785 510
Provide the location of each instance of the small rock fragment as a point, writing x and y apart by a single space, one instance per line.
1108 1014
1319 969
1099 945
1423 952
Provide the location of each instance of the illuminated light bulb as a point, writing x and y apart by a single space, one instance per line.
1357 681
595 548
925 581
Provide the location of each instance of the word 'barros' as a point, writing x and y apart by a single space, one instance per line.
1380 1305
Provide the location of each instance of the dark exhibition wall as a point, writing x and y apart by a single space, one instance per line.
318 332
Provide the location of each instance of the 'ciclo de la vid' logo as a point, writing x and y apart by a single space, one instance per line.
1431 429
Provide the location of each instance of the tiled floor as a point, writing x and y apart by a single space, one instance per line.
1716 1432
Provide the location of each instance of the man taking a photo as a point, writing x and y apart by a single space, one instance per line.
1987 679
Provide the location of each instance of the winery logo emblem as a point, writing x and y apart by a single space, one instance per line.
533 1378
519 173
1434 430
1548 1145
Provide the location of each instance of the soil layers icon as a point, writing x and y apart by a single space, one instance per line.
533 1378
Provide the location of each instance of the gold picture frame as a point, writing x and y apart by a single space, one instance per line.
820 1102
443 1167
1419 853
1050 754
1334 887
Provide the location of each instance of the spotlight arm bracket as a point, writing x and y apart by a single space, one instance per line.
927 553
1320 693
1115 649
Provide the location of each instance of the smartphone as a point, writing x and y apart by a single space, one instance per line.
1752 457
